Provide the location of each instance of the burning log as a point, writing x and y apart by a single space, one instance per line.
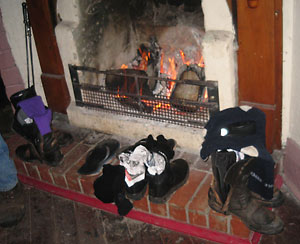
129 87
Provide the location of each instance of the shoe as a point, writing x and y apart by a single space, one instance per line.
161 187
275 202
63 138
239 202
27 153
12 206
137 191
97 157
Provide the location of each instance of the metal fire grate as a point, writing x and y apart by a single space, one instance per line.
192 113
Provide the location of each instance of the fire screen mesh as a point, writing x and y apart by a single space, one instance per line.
127 94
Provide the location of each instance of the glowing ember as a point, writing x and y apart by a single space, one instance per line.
168 68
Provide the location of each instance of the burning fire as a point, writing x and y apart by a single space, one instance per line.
168 68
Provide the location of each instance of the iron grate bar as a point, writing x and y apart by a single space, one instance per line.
153 107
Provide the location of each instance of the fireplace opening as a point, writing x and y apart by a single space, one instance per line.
144 59
128 93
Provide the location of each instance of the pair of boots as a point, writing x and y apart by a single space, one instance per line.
229 194
32 120
148 163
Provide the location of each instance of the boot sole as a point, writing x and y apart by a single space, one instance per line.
167 196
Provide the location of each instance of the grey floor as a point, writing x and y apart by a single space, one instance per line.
51 219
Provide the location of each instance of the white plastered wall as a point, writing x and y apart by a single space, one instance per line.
291 71
12 17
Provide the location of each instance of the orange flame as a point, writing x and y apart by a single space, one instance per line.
170 72
162 63
183 58
201 62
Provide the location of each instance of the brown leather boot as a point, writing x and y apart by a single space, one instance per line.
12 206
276 201
240 203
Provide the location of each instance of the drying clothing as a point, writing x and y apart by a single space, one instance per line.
35 109
262 177
109 188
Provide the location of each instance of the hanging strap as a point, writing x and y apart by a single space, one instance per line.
28 44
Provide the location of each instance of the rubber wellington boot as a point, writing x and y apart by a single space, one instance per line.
162 186
240 203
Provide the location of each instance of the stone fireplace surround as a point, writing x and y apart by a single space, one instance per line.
219 51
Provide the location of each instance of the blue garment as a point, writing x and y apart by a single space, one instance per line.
261 179
8 172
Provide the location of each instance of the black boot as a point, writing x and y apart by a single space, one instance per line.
162 186
240 203
12 206
138 189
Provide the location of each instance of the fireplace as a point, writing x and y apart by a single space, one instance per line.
177 60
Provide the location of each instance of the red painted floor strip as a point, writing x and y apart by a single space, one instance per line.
199 232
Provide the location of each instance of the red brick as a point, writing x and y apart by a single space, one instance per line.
177 213
32 170
217 221
87 184
142 204
159 209
70 159
200 201
238 228
72 176
45 173
59 180
65 150
73 182
185 193
197 219
20 166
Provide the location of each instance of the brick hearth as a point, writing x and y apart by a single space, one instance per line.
187 211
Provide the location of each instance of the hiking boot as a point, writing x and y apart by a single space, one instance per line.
12 206
162 186
240 203
276 201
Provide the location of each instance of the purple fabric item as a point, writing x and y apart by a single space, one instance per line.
35 109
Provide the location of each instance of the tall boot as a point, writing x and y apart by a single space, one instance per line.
162 186
240 203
